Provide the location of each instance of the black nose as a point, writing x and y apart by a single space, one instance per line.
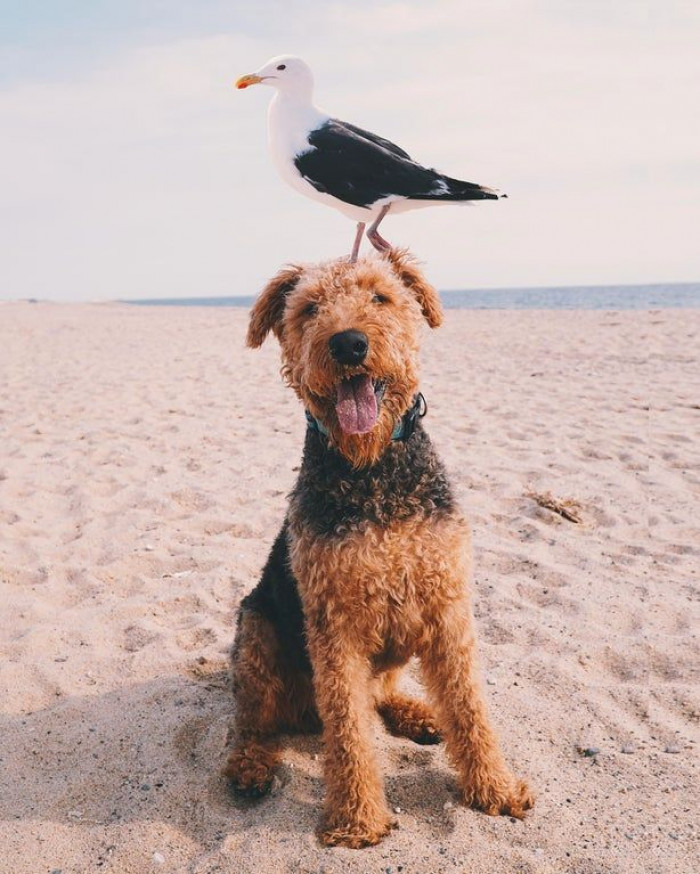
349 347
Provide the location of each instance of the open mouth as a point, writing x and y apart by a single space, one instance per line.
357 403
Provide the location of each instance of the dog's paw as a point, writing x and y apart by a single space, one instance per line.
505 797
405 717
251 770
425 733
358 834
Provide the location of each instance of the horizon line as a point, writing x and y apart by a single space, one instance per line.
576 287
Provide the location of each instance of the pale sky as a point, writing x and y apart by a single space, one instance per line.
130 167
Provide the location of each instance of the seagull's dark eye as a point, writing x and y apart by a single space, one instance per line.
311 309
380 298
282 67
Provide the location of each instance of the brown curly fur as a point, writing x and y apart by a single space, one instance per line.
370 568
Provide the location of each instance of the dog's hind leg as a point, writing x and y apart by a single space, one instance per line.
271 675
269 699
404 716
258 689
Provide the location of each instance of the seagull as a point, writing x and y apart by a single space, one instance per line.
361 174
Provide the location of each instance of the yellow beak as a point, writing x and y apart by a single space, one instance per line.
245 81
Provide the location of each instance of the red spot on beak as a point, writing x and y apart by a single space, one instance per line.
246 81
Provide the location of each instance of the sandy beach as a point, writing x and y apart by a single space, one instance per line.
145 459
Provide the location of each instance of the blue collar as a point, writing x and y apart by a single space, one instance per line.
403 429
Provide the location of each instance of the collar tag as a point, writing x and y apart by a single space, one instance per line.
407 425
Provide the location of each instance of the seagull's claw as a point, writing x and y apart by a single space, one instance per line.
379 243
373 235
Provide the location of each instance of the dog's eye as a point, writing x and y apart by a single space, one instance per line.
311 309
282 67
380 298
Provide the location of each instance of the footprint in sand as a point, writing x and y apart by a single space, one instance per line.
196 638
136 638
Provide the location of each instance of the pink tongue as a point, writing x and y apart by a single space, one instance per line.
356 405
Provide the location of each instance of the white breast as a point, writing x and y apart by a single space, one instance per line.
289 123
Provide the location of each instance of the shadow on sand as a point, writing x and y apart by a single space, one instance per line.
154 752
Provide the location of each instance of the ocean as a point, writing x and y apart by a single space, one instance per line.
584 297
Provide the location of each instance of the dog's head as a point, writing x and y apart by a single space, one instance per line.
349 334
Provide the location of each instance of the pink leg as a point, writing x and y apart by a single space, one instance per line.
356 244
373 235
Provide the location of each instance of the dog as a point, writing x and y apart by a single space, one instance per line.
372 563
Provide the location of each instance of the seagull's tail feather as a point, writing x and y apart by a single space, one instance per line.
446 188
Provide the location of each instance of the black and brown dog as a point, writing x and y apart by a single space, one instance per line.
372 563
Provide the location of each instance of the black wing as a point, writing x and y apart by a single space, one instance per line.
373 138
361 168
358 169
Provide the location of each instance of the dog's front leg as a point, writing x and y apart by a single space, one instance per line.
449 664
356 813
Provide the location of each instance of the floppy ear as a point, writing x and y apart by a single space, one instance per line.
268 309
407 270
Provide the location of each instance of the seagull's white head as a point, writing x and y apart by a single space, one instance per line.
286 73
